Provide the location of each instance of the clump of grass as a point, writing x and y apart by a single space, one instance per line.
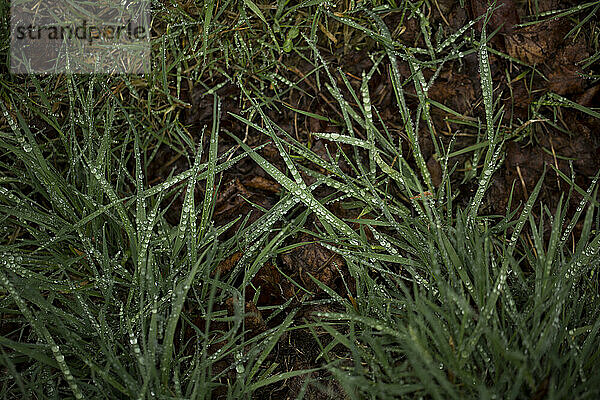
96 283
